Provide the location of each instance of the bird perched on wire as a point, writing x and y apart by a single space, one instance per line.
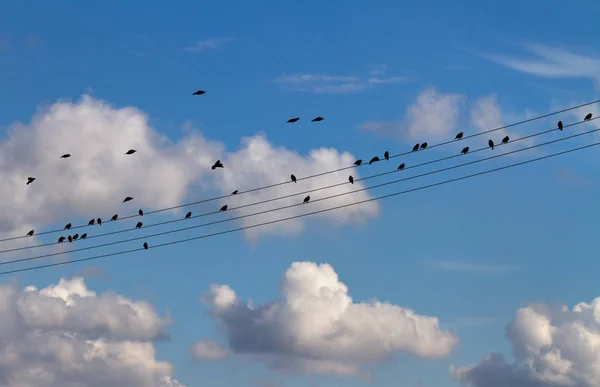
560 125
459 136
505 140
146 245
465 150
351 179
358 162
588 117
114 217
374 160
386 155
139 225
491 144
415 148
424 145
293 178
306 199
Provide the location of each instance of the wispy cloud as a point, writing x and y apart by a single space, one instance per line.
203 45
378 69
470 267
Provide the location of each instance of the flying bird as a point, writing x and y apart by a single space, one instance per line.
68 226
99 221
114 217
505 140
459 136
199 92
139 225
401 166
65 156
234 192
588 117
415 148
306 199
61 239
70 238
30 233
351 179
465 150
218 164
75 236
560 125
130 152
374 160
146 245
491 144
141 212
83 236
188 215
30 180
224 208
127 199
358 162
386 155
291 120
317 119
424 145
91 222
293 178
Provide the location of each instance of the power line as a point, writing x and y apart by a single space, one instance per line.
149 236
302 215
321 173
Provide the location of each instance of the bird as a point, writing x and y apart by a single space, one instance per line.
317 119
75 236
68 226
83 236
306 199
234 192
459 136
65 156
188 215
358 162
30 180
465 150
114 217
491 144
401 166
224 208
127 199
424 145
218 164
141 212
130 152
351 179
61 239
139 225
293 178
91 222
560 125
415 148
30 233
70 238
99 221
386 155
199 92
505 140
291 120
588 117
374 160
146 245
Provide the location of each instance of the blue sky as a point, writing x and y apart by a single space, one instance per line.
469 253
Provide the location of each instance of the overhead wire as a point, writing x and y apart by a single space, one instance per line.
241 192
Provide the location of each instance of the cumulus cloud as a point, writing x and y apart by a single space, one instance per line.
66 335
329 84
433 115
316 328
554 346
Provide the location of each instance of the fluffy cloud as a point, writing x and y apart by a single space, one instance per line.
554 346
66 335
316 327
329 84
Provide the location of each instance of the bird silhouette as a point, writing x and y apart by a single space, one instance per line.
588 117
560 125
224 208
317 119
505 140
30 233
91 222
234 192
386 155
374 160
293 178
145 245
401 166
291 120
491 144
61 239
70 238
306 199
358 162
114 217
351 179
68 226
465 150
30 180
188 215
127 199
140 212
76 236
84 235
99 221
199 92
130 152
415 148
459 136
139 225
424 145
217 164
65 156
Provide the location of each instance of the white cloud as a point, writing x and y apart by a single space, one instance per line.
553 346
470 267
433 115
202 45
328 84
208 350
66 335
316 328
378 69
